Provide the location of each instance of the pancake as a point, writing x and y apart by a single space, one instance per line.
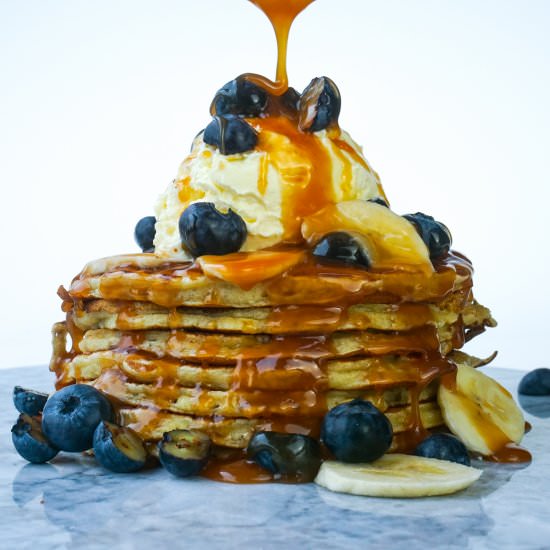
221 348
176 349
144 315
236 432
248 403
126 315
352 374
145 278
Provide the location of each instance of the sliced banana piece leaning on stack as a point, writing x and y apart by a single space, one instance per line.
479 411
397 475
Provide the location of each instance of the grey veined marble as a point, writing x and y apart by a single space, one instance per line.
73 503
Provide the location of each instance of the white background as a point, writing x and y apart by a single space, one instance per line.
99 102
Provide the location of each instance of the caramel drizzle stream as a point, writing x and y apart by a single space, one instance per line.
281 14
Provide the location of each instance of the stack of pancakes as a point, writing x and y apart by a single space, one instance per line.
176 349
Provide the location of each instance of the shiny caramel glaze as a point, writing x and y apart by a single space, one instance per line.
281 15
306 191
511 453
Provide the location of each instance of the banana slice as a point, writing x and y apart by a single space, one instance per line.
479 411
392 241
397 475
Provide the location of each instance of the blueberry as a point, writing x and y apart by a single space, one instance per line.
230 135
71 416
144 233
29 401
184 453
29 441
118 449
239 97
319 106
290 100
342 247
284 454
356 431
435 235
536 382
380 201
444 447
205 230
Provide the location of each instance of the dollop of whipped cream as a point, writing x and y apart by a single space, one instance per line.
288 176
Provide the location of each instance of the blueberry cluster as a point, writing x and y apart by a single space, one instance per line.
79 417
316 109
353 432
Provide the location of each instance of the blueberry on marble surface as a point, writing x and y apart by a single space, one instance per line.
436 236
230 135
29 402
71 416
239 97
536 382
356 431
342 247
285 454
144 233
184 453
29 441
206 230
319 106
118 448
444 447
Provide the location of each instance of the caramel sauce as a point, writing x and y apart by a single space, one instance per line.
282 381
309 282
233 467
187 193
243 269
306 174
281 14
510 453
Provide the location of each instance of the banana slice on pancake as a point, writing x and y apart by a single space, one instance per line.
479 411
398 476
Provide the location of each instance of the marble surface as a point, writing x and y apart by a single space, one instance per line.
73 503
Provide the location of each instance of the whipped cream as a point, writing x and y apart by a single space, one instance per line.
267 187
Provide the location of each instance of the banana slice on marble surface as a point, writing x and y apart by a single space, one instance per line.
479 411
397 475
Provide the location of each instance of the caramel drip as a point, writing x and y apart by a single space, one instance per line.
306 176
511 454
233 467
347 173
281 14
345 146
262 176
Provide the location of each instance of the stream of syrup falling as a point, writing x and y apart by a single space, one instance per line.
281 14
